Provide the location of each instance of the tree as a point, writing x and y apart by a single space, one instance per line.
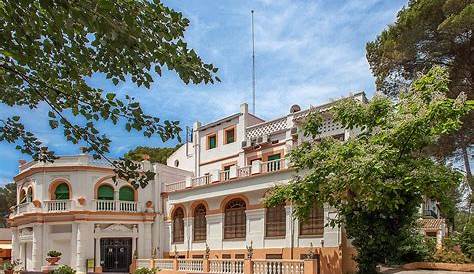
376 180
428 33
49 47
7 200
157 154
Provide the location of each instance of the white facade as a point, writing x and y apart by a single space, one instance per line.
237 158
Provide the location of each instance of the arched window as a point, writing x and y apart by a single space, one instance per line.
314 224
105 192
126 193
61 192
22 196
275 221
29 195
199 223
234 222
178 226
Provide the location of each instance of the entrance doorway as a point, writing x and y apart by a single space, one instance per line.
116 254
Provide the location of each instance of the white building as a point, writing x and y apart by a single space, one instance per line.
209 194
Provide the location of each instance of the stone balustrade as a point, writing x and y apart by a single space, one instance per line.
228 266
55 206
235 172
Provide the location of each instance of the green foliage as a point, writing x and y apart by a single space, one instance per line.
7 200
414 247
64 269
54 253
467 240
431 33
157 154
376 180
450 256
146 270
49 48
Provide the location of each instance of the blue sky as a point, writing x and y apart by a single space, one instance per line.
307 53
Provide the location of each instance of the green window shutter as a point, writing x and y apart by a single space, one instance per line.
105 193
274 157
62 192
126 194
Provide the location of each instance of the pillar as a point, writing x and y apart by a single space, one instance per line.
80 249
98 267
36 252
310 266
15 244
147 243
141 241
248 266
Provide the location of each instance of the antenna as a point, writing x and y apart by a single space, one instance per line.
253 67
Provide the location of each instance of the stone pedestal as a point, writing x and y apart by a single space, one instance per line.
48 268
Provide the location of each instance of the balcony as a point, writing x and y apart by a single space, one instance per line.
429 213
56 206
235 172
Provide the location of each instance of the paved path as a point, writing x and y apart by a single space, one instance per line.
423 272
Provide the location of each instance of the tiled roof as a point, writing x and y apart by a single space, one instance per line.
431 224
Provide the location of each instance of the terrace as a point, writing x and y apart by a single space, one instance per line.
234 173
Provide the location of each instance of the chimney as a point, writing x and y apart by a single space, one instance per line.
244 108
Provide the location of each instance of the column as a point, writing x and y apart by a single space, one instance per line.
97 254
141 238
80 249
36 252
15 244
289 226
134 240
147 243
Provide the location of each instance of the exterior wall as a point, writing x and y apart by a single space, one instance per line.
185 157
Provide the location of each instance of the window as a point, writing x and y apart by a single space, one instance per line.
22 196
62 192
199 223
314 224
234 221
178 226
211 141
29 195
275 221
126 193
105 192
230 135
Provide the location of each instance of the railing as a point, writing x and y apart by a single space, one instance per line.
199 181
430 213
278 267
175 186
57 205
143 263
22 208
166 264
266 128
190 265
272 166
226 266
244 171
113 205
225 175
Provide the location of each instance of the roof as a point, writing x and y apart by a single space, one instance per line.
220 121
431 224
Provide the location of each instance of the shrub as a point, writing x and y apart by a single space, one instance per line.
54 253
414 248
450 256
7 265
467 240
146 270
64 269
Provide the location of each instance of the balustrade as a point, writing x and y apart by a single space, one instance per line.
57 205
278 267
190 265
166 264
226 266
